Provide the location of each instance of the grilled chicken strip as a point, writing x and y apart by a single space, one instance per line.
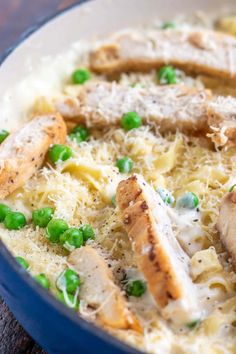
226 223
108 299
195 51
174 107
24 151
160 258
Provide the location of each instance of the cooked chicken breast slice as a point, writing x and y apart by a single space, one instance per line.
226 223
99 290
24 151
221 114
174 107
171 107
195 51
159 256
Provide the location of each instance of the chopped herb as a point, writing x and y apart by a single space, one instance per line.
232 188
193 324
3 135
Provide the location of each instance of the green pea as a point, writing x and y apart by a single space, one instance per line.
88 232
166 196
79 134
167 75
124 165
42 280
55 228
80 76
14 220
187 201
72 239
3 135
4 209
68 280
168 25
136 288
59 152
193 324
232 188
22 262
69 300
76 138
41 217
131 120
113 200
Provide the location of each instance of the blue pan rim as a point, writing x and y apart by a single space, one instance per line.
5 253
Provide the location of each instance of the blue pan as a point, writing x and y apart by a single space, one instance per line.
57 329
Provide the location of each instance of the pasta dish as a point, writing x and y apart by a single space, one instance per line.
118 188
